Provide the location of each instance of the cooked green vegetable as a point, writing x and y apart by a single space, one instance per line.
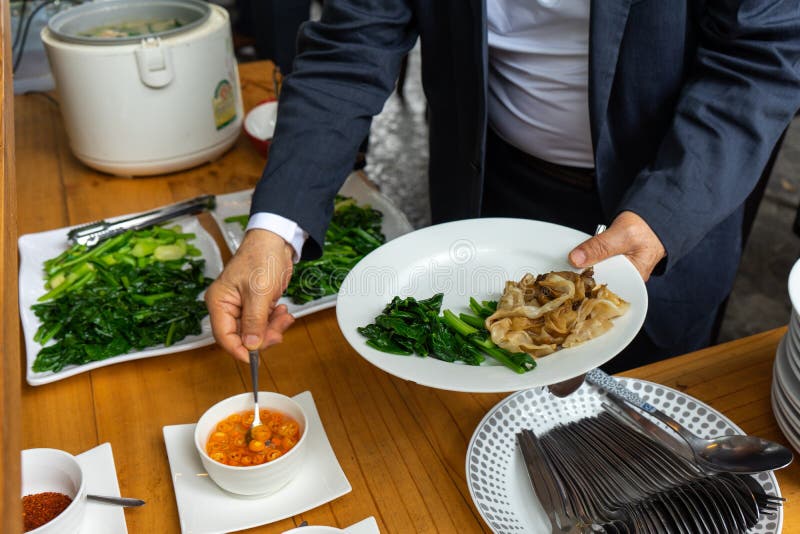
354 232
240 219
132 291
408 326
483 309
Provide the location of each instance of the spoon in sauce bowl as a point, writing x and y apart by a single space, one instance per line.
254 379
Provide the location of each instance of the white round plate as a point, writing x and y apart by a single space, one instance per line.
794 320
793 333
794 285
475 258
789 405
496 474
785 414
783 372
792 354
781 417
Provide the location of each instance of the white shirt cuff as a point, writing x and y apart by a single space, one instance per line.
286 228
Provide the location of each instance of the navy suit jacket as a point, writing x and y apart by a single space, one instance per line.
687 99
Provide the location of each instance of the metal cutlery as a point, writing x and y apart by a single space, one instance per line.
624 411
733 453
544 483
604 474
564 500
759 502
254 358
120 501
92 233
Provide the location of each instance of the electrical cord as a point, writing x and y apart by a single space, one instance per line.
21 37
24 37
19 24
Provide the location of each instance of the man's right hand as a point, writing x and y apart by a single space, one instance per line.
241 302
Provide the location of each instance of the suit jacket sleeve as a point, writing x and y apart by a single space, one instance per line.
346 68
730 114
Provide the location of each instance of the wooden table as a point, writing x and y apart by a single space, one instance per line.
402 446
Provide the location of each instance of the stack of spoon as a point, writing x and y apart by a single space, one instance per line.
604 476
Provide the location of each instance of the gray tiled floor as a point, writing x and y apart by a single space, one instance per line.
398 157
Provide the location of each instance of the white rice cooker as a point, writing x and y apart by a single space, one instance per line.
145 86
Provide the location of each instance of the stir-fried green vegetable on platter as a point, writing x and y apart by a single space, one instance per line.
130 292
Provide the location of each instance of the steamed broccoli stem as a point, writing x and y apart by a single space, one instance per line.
482 309
475 322
458 325
73 281
474 336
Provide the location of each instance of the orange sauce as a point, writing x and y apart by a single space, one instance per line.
276 436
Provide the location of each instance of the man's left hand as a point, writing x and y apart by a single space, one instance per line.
628 235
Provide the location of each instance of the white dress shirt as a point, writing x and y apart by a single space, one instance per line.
538 88
539 78
286 228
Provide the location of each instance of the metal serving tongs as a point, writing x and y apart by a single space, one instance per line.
92 233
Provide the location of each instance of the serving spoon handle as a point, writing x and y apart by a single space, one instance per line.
121 501
254 379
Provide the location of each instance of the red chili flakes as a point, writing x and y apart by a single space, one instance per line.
41 508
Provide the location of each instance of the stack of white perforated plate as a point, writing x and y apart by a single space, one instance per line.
786 371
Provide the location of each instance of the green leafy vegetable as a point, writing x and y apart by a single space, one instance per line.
354 232
132 291
408 326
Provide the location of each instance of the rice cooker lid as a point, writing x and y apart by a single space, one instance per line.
72 24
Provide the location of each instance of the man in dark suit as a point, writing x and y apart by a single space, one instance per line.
653 116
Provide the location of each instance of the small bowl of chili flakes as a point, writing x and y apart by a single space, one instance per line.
53 492
261 465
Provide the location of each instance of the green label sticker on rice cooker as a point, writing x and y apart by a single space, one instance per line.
224 103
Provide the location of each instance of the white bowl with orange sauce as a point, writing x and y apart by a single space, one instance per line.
262 479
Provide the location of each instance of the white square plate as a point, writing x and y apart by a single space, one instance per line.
101 479
204 508
35 249
367 526
394 225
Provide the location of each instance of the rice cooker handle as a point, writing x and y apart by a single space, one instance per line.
155 63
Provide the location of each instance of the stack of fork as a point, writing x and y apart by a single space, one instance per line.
600 475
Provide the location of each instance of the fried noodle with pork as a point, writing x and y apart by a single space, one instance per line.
542 314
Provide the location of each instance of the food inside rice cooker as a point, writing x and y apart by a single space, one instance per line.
132 28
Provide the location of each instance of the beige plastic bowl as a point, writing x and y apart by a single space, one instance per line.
55 470
262 479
